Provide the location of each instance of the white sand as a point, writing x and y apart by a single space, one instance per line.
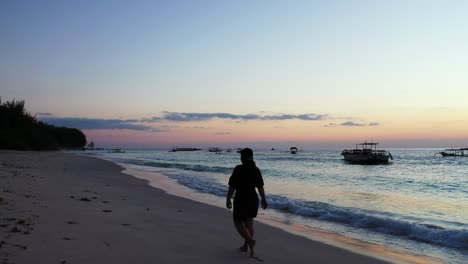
63 208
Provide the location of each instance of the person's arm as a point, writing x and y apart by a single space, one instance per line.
261 190
228 197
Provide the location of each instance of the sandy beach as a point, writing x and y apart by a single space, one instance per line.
65 208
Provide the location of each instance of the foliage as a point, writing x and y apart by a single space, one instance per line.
21 131
90 145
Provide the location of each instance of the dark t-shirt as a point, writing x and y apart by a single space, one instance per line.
244 179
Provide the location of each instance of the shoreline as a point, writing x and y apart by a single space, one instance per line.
170 186
67 208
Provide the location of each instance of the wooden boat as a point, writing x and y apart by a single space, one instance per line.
184 149
366 153
116 151
215 150
454 152
293 150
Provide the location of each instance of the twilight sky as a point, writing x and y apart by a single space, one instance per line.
159 74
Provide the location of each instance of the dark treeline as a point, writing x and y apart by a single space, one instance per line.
20 130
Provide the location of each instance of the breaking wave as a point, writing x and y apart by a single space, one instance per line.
381 222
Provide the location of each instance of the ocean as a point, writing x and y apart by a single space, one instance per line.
418 203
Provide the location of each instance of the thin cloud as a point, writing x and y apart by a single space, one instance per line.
187 117
193 117
223 133
152 119
44 114
352 124
93 124
140 124
307 117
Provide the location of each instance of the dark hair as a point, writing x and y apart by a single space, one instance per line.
246 153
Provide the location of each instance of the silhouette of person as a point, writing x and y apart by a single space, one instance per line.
243 181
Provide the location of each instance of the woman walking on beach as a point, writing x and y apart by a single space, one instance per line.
243 181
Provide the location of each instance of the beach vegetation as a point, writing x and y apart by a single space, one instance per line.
90 145
19 130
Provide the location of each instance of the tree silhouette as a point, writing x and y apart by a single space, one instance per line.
21 131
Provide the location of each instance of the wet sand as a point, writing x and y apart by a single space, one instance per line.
65 208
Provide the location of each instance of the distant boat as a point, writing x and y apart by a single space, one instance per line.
454 152
215 150
366 153
116 151
184 149
293 150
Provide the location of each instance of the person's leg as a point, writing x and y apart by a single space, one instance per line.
245 246
250 229
242 229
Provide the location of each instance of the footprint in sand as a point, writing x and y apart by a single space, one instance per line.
20 246
15 230
107 211
22 222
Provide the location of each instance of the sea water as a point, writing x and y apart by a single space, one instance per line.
417 203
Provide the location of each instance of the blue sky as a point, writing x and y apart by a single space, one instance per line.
399 64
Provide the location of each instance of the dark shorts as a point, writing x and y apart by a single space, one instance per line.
244 210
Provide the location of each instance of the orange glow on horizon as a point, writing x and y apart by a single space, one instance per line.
230 132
